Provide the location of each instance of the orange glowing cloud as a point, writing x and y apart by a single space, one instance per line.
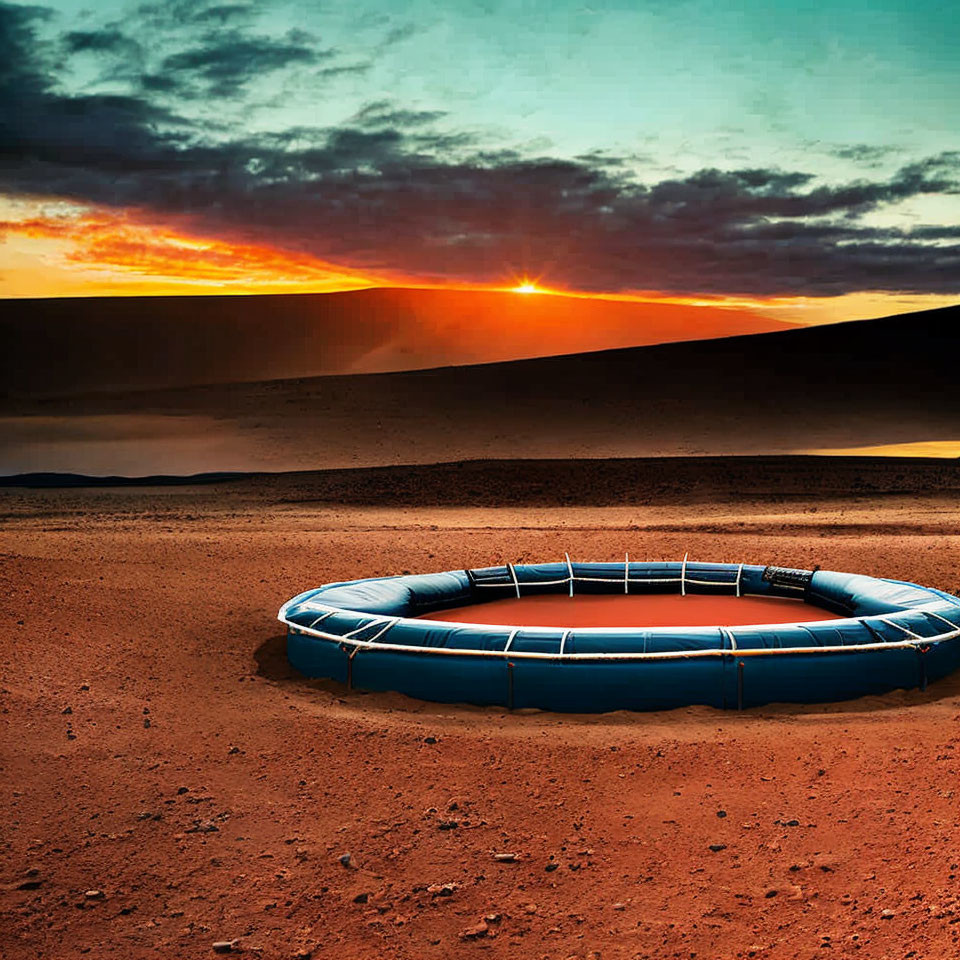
109 248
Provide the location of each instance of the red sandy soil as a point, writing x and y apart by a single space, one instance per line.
166 782
653 610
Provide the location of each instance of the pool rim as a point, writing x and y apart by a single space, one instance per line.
387 622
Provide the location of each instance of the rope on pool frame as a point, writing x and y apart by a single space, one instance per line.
516 582
563 641
387 621
323 616
949 623
900 626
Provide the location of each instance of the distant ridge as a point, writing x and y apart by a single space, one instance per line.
129 343
876 382
559 482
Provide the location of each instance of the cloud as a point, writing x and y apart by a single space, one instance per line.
384 113
109 40
387 193
226 62
870 155
184 13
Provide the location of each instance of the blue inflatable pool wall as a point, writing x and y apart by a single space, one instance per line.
887 635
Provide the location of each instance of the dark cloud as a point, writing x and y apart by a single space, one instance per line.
867 154
345 70
389 195
183 13
385 113
109 40
226 62
398 34
221 13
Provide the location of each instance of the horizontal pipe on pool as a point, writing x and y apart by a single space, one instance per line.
915 643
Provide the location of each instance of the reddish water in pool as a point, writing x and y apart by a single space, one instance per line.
651 610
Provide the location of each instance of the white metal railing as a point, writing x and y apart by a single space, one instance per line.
513 653
683 579
912 639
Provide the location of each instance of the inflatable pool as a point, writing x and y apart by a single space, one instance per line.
594 637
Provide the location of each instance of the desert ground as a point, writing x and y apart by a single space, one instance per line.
167 782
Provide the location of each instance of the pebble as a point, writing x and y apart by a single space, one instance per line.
479 929
505 857
888 914
225 946
94 894
203 826
441 889
717 847
346 860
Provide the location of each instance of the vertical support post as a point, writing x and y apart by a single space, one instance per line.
683 576
739 577
570 570
353 653
626 573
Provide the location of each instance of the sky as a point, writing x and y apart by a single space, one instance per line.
798 158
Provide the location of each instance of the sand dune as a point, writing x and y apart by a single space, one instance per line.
876 382
60 347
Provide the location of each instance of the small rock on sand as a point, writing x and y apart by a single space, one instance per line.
478 930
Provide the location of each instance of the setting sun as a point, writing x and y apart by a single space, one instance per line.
526 288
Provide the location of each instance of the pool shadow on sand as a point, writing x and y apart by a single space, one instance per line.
273 666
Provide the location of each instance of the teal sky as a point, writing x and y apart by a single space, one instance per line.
678 84
615 146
